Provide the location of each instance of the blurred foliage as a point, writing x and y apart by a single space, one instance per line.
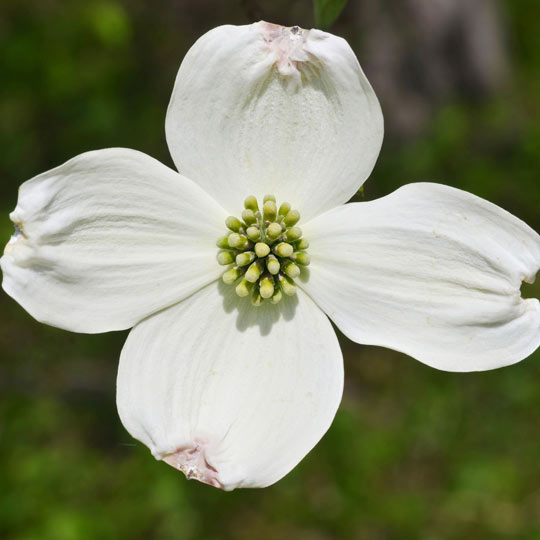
327 11
413 453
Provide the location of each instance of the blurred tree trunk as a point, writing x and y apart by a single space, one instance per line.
418 54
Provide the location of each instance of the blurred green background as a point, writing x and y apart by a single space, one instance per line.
413 452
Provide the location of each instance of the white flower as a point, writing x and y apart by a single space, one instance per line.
232 394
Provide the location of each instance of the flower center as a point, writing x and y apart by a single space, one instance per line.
264 250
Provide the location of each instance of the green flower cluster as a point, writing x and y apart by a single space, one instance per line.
264 250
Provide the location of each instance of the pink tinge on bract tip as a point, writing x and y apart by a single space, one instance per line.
287 44
191 460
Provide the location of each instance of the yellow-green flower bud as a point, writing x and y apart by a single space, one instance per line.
250 203
254 271
266 287
269 211
256 298
289 268
230 276
225 257
287 285
302 258
301 244
245 258
237 240
253 234
284 209
276 297
293 234
244 288
273 231
292 218
272 264
282 249
262 249
234 224
223 242
249 217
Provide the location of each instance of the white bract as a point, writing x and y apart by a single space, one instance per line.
231 392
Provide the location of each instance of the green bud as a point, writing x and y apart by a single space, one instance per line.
244 288
266 287
254 271
273 231
253 233
292 218
282 249
272 264
225 257
256 298
289 268
234 224
249 217
284 209
269 211
269 198
287 285
262 249
302 258
223 242
301 244
245 258
230 276
251 203
293 234
276 297
237 240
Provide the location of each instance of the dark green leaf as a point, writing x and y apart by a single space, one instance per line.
327 11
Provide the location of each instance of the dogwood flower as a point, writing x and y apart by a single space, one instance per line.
232 372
